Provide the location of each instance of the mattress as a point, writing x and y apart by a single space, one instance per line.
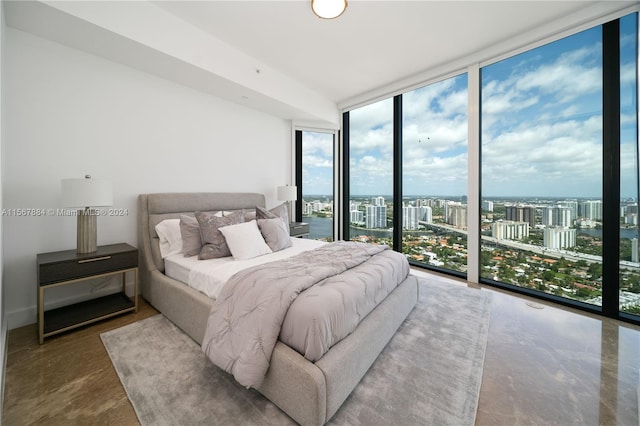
320 316
342 281
209 276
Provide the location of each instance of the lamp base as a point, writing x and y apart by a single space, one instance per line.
87 239
290 212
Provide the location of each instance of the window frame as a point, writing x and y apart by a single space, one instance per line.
611 171
298 160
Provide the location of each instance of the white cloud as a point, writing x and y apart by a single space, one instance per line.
315 161
548 157
319 144
541 130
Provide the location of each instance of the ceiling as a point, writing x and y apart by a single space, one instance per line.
315 65
373 43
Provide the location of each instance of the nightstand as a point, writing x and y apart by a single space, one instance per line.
299 229
68 267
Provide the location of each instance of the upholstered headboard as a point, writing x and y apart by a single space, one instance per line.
154 208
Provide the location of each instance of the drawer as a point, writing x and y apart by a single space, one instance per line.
50 273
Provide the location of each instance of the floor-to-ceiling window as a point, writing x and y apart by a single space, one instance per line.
541 162
434 174
317 182
629 277
558 187
370 153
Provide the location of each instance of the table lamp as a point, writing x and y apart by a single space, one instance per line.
86 194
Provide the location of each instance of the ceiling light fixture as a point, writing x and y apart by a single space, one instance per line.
328 9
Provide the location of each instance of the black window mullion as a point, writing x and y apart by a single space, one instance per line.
346 205
298 183
397 173
611 168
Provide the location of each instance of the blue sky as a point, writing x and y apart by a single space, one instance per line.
541 115
317 173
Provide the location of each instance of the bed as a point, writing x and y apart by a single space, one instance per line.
309 392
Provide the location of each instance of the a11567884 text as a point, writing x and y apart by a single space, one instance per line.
35 212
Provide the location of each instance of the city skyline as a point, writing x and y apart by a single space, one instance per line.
488 197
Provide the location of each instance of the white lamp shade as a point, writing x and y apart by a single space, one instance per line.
287 193
86 192
328 9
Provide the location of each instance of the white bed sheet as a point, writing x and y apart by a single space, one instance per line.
209 276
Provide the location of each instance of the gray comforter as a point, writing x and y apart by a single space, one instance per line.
345 281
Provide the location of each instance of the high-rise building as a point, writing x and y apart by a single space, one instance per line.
547 216
562 217
356 216
447 209
487 205
572 205
410 217
307 209
456 215
509 230
520 213
556 216
376 216
377 201
591 209
557 237
431 202
428 214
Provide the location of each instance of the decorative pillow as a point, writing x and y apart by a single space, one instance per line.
170 237
278 211
214 243
249 215
190 231
275 233
245 240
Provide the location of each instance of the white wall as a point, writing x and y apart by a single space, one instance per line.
68 113
3 316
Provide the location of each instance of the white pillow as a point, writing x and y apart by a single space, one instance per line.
245 240
170 237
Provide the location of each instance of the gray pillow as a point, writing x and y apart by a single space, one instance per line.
275 233
278 211
214 244
191 240
249 215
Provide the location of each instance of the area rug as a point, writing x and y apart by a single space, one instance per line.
429 373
